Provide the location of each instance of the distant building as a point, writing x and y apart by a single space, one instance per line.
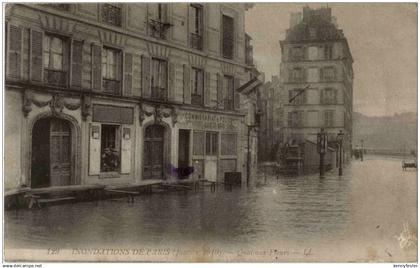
270 105
317 75
118 93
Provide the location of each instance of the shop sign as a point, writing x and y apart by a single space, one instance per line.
197 120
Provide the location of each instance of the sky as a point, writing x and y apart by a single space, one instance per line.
383 41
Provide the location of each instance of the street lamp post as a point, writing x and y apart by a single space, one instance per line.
340 137
321 146
248 162
361 154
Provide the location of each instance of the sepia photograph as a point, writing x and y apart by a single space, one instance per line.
204 132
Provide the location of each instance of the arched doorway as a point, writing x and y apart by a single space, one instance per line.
153 155
51 153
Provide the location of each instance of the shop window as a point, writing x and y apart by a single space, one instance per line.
227 37
197 86
228 144
55 60
111 14
212 143
198 143
111 66
159 79
110 148
196 29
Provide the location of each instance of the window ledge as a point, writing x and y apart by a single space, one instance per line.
109 175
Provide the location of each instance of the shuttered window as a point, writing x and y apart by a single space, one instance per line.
159 79
56 53
15 51
228 85
197 86
111 66
328 118
196 26
228 37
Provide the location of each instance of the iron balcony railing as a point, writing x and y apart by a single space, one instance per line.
196 99
55 77
111 14
196 41
111 86
159 93
158 28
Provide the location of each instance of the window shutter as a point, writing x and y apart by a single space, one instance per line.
96 67
128 74
187 84
77 63
321 96
335 96
145 77
36 56
206 95
136 75
220 91
171 84
321 74
126 138
15 51
237 96
94 149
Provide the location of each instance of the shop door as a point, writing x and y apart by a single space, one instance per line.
210 159
51 150
184 154
153 152
60 147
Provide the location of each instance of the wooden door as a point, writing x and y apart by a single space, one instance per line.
60 153
184 169
153 152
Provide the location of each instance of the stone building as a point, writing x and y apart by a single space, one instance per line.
270 104
104 93
317 78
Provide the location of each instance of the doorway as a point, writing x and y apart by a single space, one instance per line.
153 152
184 169
51 153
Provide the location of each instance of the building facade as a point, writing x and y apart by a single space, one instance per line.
105 93
317 78
270 104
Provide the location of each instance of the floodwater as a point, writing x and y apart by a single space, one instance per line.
356 217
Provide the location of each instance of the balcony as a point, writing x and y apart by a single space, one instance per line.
159 93
55 77
111 86
196 99
228 104
196 41
158 29
111 14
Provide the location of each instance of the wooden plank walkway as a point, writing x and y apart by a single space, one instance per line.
67 188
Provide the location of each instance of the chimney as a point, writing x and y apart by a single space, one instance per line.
295 19
334 21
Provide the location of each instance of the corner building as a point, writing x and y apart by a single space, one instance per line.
317 75
120 93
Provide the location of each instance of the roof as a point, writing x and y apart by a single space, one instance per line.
317 25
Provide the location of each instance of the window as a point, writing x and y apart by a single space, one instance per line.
328 51
158 22
312 33
55 52
228 144
196 26
228 85
111 14
297 96
228 37
62 7
111 66
295 119
296 75
329 96
328 74
197 86
159 79
313 75
312 53
297 53
328 118
110 148
212 143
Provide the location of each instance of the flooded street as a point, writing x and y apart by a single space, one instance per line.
356 217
